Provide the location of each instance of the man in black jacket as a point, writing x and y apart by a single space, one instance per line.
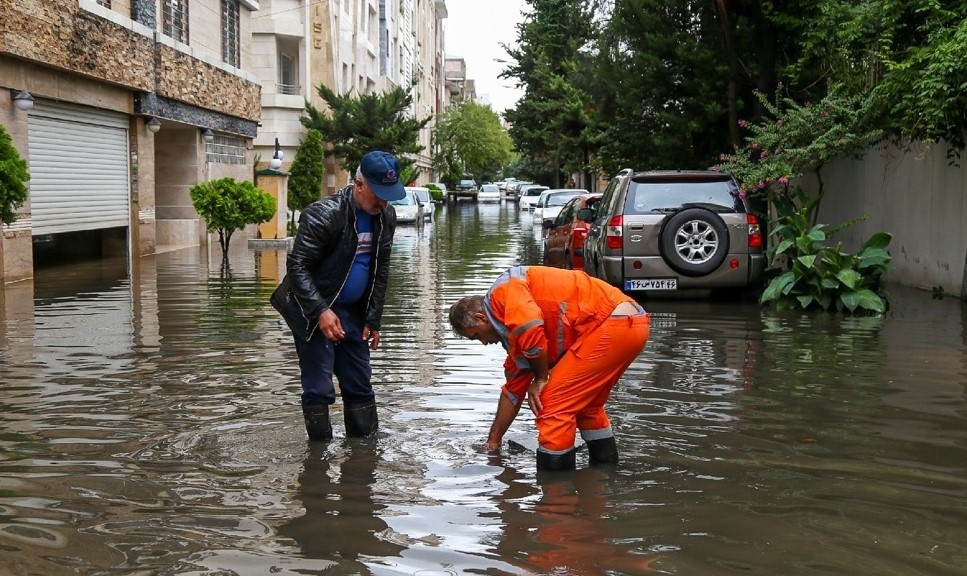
333 291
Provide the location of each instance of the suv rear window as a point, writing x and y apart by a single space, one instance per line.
672 195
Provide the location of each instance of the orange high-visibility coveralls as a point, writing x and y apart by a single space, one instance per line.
571 316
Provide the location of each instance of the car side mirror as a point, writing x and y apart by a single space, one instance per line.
547 223
586 215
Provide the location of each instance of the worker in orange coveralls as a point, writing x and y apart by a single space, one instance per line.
569 337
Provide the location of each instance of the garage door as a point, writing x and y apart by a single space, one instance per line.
78 168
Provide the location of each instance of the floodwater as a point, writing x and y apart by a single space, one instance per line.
150 425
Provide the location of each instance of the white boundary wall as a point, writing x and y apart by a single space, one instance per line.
917 195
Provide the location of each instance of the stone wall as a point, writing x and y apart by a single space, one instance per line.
65 37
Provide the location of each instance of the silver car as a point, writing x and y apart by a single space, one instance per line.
408 209
426 201
674 231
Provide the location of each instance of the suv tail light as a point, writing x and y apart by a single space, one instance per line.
755 234
612 233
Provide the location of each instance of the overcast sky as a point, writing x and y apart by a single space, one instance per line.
475 29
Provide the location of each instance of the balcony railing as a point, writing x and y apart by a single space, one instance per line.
290 89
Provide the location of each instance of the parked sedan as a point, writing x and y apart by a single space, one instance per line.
550 202
529 195
488 193
426 202
408 208
564 242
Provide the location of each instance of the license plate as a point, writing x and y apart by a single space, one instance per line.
652 284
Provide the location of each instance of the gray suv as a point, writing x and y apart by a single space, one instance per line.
667 231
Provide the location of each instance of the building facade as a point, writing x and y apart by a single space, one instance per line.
133 102
353 47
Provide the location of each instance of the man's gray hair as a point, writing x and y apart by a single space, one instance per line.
463 310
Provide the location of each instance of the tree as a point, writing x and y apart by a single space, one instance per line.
13 179
469 139
910 53
228 205
358 125
305 176
552 120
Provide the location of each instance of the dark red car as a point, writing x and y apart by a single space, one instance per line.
564 236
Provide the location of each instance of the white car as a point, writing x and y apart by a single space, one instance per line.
488 193
426 200
408 209
529 195
551 201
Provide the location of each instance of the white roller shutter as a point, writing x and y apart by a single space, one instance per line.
78 168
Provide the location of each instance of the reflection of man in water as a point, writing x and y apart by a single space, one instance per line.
342 522
569 530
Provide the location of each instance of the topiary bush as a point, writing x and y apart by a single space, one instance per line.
228 205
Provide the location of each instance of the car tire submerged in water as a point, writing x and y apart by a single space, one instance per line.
694 241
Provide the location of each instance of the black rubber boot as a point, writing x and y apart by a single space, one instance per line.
603 451
318 426
550 462
361 418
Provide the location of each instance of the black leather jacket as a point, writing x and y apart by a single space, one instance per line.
320 259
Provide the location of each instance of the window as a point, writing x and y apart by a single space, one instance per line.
105 3
225 150
174 19
287 80
230 32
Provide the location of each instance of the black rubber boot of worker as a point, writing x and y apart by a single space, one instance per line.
603 451
318 426
551 462
361 418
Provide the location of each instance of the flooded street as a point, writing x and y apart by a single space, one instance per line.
150 424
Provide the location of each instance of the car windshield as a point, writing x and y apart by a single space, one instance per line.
423 195
718 196
536 191
560 199
407 200
489 188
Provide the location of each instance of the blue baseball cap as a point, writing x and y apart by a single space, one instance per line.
382 173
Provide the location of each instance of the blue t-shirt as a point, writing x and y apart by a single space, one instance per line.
355 286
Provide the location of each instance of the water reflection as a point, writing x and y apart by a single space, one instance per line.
150 424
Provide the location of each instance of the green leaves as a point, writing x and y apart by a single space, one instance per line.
307 171
13 179
813 274
228 205
470 140
359 124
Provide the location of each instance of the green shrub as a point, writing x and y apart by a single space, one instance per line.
13 179
305 176
813 274
228 205
435 192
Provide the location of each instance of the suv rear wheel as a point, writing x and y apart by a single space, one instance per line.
694 241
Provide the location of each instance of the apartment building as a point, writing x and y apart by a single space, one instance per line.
119 107
353 47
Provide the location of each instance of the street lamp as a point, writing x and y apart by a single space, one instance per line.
153 124
276 162
22 100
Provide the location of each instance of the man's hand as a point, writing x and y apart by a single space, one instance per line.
493 445
330 326
372 336
534 395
